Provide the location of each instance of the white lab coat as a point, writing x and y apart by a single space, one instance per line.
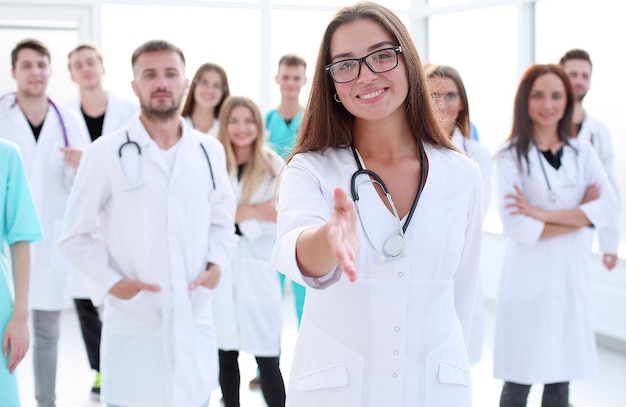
50 179
598 135
212 131
248 300
117 115
397 336
544 323
158 349
483 158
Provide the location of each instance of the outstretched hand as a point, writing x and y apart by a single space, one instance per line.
342 235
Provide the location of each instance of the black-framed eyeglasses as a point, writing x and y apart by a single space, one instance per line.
380 61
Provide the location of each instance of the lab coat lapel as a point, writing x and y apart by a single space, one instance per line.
184 157
139 134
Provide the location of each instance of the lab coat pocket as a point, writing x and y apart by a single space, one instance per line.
202 304
139 314
326 378
324 371
448 373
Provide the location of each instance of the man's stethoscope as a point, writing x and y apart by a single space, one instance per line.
395 245
215 196
551 193
66 141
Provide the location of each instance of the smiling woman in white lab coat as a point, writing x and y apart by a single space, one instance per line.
248 306
550 190
391 286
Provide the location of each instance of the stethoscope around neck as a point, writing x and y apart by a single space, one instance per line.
66 141
215 196
551 192
395 245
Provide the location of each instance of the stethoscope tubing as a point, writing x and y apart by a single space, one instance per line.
130 142
66 141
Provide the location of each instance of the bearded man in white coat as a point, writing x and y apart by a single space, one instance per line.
50 139
149 226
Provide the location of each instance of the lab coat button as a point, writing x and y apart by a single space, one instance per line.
395 375
397 329
400 274
395 352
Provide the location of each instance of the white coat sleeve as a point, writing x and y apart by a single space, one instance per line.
301 206
483 157
522 228
81 238
466 275
222 237
604 211
608 236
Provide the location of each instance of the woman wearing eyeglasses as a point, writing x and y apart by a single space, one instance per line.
448 93
208 90
551 189
381 219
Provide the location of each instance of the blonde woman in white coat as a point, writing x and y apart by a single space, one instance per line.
390 287
248 310
551 189
448 93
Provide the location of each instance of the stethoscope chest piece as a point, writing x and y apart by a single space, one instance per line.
394 245
215 197
553 196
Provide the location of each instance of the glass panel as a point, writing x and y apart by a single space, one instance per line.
205 34
487 63
563 25
59 39
310 27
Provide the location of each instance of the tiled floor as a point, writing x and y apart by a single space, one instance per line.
607 389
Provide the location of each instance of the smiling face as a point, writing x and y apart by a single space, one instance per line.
209 89
547 101
242 128
32 71
159 84
371 96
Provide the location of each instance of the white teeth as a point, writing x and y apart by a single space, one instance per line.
371 95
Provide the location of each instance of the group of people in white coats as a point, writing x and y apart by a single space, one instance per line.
378 211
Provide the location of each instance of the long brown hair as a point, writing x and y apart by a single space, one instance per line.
522 130
328 124
190 102
261 163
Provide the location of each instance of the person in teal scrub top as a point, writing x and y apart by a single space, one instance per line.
20 226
